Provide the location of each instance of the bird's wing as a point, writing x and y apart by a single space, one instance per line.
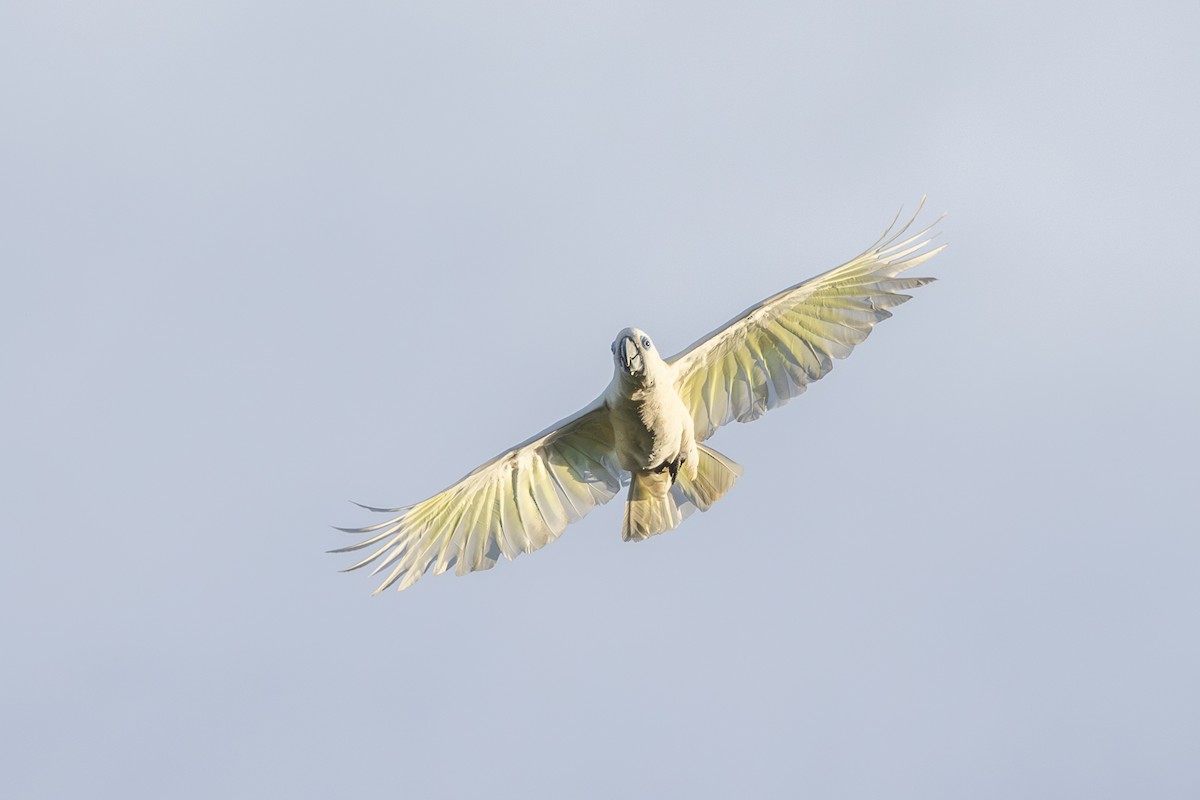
516 503
770 352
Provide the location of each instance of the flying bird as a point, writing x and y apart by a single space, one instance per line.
649 427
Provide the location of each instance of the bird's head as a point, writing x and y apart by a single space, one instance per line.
635 357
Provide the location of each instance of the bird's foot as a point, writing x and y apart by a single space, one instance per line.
671 466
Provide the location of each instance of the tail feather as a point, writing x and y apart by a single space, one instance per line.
651 507
655 505
715 474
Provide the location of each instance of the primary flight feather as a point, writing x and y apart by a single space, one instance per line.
648 427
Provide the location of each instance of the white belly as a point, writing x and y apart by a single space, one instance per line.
651 426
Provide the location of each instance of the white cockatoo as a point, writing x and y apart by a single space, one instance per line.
649 426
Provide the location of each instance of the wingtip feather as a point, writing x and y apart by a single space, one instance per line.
381 510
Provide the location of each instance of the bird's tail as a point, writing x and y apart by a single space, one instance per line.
651 507
715 475
655 505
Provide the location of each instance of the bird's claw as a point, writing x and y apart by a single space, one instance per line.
671 467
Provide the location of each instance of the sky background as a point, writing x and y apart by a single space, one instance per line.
263 258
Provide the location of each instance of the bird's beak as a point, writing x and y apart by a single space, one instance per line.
631 357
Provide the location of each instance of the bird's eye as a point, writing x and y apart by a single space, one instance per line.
646 343
613 347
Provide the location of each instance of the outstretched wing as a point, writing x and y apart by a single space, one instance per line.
516 503
770 352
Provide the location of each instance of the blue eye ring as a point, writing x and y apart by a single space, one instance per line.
646 343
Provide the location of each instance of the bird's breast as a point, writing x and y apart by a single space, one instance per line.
649 425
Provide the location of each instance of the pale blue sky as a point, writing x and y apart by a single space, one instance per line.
262 258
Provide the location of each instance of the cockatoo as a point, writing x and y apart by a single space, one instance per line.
648 428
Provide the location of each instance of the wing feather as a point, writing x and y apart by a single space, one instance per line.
771 351
560 474
531 519
516 503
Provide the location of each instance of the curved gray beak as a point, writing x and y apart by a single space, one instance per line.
631 357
